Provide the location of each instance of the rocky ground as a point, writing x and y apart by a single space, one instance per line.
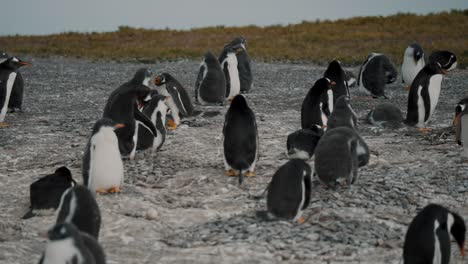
178 207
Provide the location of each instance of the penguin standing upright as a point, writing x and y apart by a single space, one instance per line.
156 110
121 107
103 169
240 139
336 74
343 114
413 62
179 102
461 125
210 87
11 86
313 111
385 115
339 153
45 193
301 144
68 245
243 64
428 237
425 90
375 73
228 62
289 190
79 207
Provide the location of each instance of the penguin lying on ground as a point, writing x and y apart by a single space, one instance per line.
103 169
313 111
428 237
289 190
413 62
179 102
78 207
339 153
229 64
243 64
121 107
68 245
301 144
425 89
375 73
240 140
335 74
45 193
461 125
156 110
342 115
210 87
11 85
385 115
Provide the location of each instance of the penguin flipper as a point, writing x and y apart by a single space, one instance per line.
145 121
308 188
199 81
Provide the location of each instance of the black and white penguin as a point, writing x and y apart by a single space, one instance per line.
210 87
313 111
301 144
243 64
156 110
424 94
446 59
240 140
339 153
385 115
413 62
461 125
336 74
375 73
289 190
11 86
228 62
428 237
179 102
68 245
103 169
343 114
122 108
79 207
45 193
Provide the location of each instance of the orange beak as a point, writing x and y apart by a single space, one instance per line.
25 63
157 81
462 252
120 125
333 83
456 120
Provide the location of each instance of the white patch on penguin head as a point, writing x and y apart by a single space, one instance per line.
15 59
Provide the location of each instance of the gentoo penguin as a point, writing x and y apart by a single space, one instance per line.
428 237
228 62
45 193
79 207
243 64
301 144
343 114
10 87
424 95
103 169
313 110
461 125
68 245
375 73
240 140
385 115
121 107
339 153
156 110
336 74
446 59
179 102
210 87
350 79
413 62
289 190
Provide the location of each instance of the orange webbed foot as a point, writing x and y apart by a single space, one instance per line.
230 173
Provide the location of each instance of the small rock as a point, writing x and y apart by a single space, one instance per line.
151 214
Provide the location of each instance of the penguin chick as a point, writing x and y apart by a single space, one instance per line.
413 62
313 111
376 71
210 87
461 125
289 190
342 115
301 144
155 110
385 115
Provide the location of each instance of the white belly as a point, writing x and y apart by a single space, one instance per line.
409 69
421 109
434 92
61 251
464 134
9 87
231 61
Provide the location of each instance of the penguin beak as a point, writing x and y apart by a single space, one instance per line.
24 63
158 80
332 83
167 98
120 125
456 120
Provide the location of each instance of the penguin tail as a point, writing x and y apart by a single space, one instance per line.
29 214
241 177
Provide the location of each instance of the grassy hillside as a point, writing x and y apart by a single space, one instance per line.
349 40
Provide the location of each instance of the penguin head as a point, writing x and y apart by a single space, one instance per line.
62 231
14 63
343 102
458 231
334 69
460 110
65 173
238 42
142 76
106 123
162 79
239 102
446 60
416 52
210 58
323 85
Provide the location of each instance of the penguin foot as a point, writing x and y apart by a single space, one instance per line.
250 174
114 190
407 88
230 173
301 220
101 191
424 129
4 124
171 125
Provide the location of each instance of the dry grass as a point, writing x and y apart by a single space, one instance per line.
349 40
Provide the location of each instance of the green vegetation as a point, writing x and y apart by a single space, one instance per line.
349 40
